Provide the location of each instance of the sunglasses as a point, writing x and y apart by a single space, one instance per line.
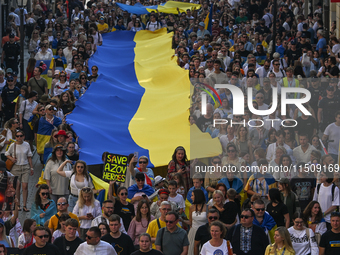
45 194
166 209
230 151
124 194
143 162
139 180
19 136
89 237
169 221
216 162
62 203
43 236
259 209
62 76
244 216
213 218
86 190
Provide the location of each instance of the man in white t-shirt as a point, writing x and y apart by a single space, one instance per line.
332 134
327 196
279 73
153 24
302 153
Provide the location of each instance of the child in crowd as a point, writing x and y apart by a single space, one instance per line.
175 197
197 182
180 184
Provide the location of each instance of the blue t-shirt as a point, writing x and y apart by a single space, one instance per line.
322 44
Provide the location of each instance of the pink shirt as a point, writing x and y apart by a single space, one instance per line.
137 228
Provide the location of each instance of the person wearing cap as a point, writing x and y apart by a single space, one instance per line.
303 44
10 53
58 185
6 38
102 26
327 108
21 155
8 94
201 30
293 53
262 29
16 81
46 124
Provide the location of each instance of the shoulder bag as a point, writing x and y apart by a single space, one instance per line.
9 163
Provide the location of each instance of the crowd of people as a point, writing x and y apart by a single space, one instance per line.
294 210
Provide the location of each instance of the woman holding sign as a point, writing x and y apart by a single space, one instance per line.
79 178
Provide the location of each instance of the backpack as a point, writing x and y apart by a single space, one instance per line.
162 233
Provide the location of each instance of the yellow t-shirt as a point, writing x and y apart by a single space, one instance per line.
53 224
283 251
102 27
153 229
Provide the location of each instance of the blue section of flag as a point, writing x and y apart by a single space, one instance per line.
102 116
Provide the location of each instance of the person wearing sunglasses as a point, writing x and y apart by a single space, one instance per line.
263 219
303 239
203 234
63 208
246 237
140 190
43 207
143 163
94 245
21 155
41 245
172 239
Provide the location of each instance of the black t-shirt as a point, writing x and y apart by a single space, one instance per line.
151 252
280 30
278 213
329 107
244 53
67 247
74 157
331 242
203 234
229 214
316 93
334 71
203 123
123 244
306 126
292 56
62 43
302 187
48 249
126 212
262 30
302 46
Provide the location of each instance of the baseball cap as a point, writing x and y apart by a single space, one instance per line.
9 70
50 106
10 78
303 35
12 35
201 24
76 18
158 179
293 42
235 27
330 88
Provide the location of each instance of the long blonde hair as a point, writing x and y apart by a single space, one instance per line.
81 200
283 232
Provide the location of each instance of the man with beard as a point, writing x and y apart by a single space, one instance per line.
107 212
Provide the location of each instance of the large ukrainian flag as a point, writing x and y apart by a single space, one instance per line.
139 103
